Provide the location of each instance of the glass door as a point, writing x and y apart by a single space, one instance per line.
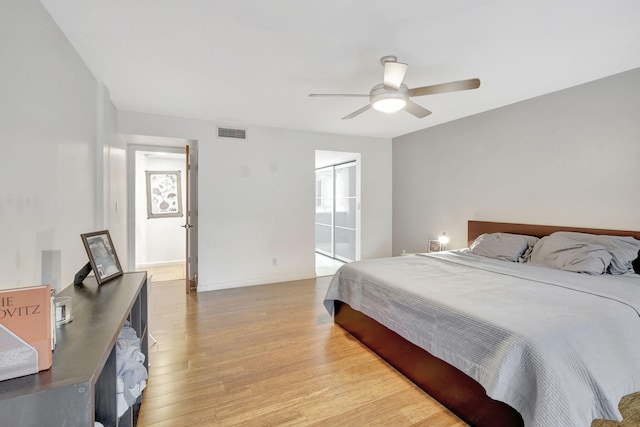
336 202
344 212
324 211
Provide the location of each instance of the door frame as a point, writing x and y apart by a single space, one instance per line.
171 145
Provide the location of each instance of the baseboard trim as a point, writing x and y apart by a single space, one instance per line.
159 264
255 282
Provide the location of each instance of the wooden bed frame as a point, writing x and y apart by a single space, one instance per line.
455 390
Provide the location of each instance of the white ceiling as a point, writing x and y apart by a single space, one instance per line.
253 62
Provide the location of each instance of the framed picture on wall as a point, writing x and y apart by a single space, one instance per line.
102 255
164 194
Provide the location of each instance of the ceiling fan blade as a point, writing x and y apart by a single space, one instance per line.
358 112
394 74
338 94
445 87
417 110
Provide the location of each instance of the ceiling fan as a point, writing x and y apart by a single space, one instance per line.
392 95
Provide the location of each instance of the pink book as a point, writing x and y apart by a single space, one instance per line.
26 312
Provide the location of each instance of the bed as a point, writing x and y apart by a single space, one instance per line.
565 391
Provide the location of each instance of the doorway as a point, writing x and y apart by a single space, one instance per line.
337 205
158 243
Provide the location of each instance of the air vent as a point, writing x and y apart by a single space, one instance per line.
232 133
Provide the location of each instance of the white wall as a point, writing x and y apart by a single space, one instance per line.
158 240
256 198
567 158
48 131
111 185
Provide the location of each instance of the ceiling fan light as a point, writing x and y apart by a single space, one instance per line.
389 105
389 100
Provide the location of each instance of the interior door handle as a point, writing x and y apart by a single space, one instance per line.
187 226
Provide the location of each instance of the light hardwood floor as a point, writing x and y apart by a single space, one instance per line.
163 273
326 266
269 355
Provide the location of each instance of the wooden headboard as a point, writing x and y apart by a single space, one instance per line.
476 228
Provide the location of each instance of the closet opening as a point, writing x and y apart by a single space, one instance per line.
337 206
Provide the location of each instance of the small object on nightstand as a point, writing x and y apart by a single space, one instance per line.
444 241
440 244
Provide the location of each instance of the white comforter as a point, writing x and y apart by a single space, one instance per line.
562 348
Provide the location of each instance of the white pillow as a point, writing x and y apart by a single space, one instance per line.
623 249
562 253
504 246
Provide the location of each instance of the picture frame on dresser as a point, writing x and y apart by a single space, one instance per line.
102 255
